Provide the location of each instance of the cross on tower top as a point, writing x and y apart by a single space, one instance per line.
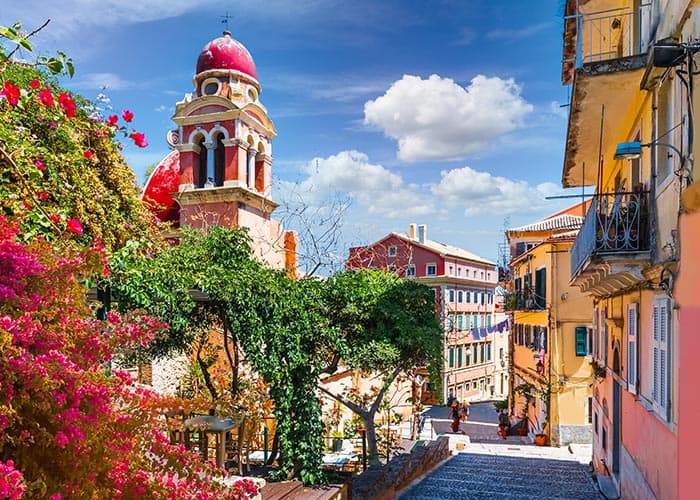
224 20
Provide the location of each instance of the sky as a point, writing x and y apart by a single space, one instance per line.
448 113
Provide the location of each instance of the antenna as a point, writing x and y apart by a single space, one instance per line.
504 251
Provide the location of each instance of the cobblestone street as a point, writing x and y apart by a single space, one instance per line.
485 466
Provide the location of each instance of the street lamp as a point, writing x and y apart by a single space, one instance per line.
633 150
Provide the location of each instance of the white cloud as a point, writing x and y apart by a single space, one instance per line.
483 193
517 33
437 119
380 191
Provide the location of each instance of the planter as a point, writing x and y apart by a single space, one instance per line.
541 439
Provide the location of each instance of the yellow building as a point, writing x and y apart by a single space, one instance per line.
551 331
630 135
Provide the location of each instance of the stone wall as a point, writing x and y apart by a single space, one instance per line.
566 434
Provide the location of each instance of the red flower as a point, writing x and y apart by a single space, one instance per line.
74 226
127 115
88 154
11 93
39 165
66 102
112 121
46 97
26 205
35 84
139 139
43 195
55 218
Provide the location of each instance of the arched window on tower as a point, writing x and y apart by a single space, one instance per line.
202 167
260 169
219 155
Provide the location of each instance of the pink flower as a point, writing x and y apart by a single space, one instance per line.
61 439
26 205
88 154
66 102
74 226
127 115
39 165
35 84
139 139
112 120
11 93
46 97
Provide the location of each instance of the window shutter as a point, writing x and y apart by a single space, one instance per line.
604 336
655 355
581 332
452 357
595 332
663 355
459 322
632 327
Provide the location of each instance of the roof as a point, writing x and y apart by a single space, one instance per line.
444 249
556 223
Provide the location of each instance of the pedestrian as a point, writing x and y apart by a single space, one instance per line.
464 410
454 415
503 423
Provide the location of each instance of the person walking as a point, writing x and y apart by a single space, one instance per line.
503 423
464 410
455 416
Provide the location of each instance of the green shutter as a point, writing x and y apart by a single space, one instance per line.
452 357
459 356
459 322
581 334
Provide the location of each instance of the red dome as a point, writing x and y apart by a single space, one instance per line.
226 53
164 180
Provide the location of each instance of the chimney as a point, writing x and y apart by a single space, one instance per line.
412 231
422 233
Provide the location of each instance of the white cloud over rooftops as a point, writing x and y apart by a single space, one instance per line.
437 119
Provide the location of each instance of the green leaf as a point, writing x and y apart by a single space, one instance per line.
54 65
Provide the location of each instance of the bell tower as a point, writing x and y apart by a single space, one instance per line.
223 154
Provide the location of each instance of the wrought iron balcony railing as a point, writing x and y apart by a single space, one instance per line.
523 300
615 224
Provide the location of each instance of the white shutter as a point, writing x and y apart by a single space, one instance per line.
604 336
661 342
655 355
632 326
595 333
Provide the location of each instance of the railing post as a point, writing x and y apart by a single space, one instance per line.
265 442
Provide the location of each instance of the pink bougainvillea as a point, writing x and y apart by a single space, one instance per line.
78 432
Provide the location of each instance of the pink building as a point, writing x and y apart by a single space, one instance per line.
464 286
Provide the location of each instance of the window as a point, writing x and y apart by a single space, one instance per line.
392 268
459 356
459 322
391 251
411 271
595 422
459 271
661 320
452 295
482 298
603 336
589 411
451 321
632 326
452 357
665 118
482 275
596 333
476 321
460 295
430 269
469 296
474 273
475 384
541 287
581 334
488 320
481 352
488 351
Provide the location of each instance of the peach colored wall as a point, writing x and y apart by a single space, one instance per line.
689 347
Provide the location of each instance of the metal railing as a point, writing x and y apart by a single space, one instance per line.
613 33
523 300
615 223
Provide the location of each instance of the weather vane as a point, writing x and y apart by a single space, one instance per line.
224 20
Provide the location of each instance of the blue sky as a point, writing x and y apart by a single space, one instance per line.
445 113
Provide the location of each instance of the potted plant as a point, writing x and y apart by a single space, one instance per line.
337 441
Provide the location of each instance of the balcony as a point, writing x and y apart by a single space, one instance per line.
523 300
613 244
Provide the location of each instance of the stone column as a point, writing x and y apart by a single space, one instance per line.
252 153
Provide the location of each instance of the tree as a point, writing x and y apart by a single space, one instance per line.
265 318
387 325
